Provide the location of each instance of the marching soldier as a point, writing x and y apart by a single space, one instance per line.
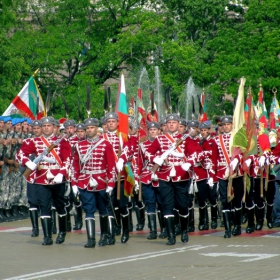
50 176
121 210
94 179
70 130
210 193
150 192
31 192
174 181
224 164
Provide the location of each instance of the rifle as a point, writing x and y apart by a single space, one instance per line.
4 150
170 149
261 182
40 157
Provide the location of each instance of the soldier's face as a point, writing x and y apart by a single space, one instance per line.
70 130
104 126
37 131
194 131
91 131
81 133
172 126
112 124
1 125
8 125
204 132
182 129
154 132
164 128
48 129
227 127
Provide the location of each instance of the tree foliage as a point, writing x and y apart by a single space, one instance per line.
81 43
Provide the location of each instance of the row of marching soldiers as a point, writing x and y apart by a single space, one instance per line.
85 168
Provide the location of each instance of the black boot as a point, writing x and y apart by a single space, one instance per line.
118 226
34 222
260 218
62 227
78 217
153 226
54 229
47 230
177 222
68 219
169 221
201 218
111 231
214 223
163 232
269 209
251 220
104 230
125 233
130 219
90 227
191 227
184 226
226 217
244 214
140 218
237 223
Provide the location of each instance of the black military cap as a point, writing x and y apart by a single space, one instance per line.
153 125
80 126
91 122
46 120
172 117
226 119
111 115
193 123
36 123
183 122
206 124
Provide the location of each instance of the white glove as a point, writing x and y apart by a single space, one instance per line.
186 166
210 182
75 190
120 165
234 163
154 177
136 187
158 160
248 162
31 165
58 178
109 190
261 161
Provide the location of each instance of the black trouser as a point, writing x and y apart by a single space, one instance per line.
122 202
238 188
205 192
47 194
175 195
32 196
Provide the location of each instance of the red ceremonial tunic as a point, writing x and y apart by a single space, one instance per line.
186 153
49 167
222 164
97 164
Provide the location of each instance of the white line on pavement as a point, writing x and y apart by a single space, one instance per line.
132 258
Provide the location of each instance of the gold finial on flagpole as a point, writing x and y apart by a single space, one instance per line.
35 73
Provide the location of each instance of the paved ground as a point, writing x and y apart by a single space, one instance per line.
207 255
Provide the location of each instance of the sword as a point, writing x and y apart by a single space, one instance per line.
111 204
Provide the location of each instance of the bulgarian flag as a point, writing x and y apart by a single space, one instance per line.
28 103
123 113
